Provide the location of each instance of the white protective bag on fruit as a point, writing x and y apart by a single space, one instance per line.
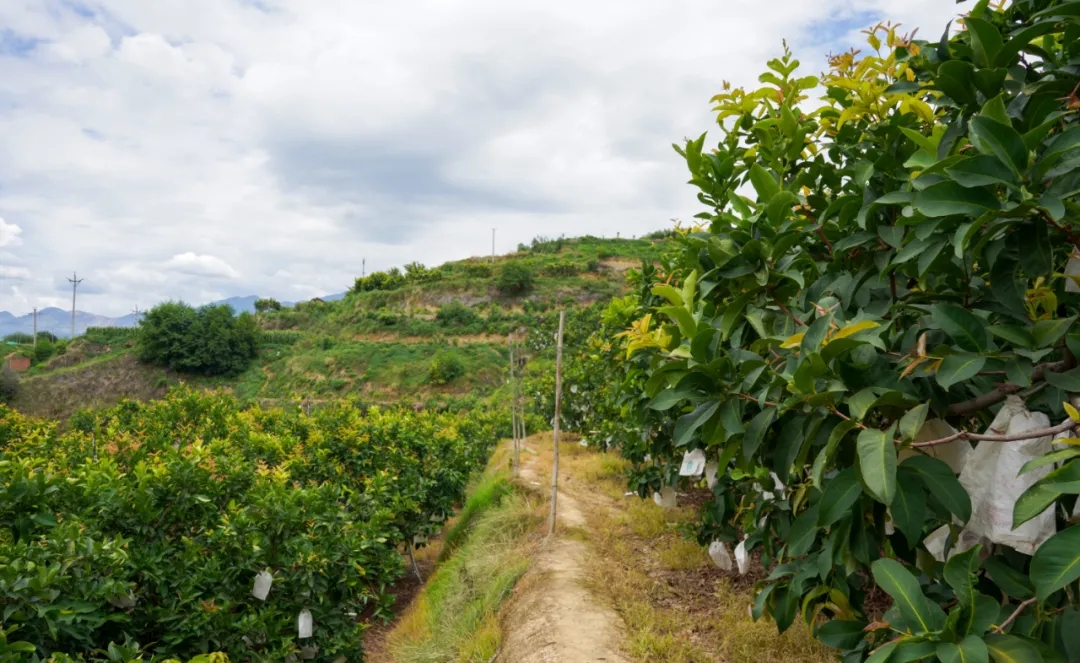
693 463
992 478
954 454
711 470
720 556
665 498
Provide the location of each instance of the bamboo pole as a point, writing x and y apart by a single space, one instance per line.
513 403
555 431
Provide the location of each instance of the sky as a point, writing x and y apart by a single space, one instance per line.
204 149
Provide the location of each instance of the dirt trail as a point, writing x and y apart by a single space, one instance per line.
555 619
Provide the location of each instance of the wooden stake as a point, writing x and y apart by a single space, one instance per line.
555 431
415 566
513 402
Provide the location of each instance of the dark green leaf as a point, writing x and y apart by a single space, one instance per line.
971 649
942 483
918 610
1059 456
841 634
877 462
764 183
688 423
956 78
1013 334
986 41
958 367
912 421
755 431
909 506
826 454
1056 563
884 652
981 170
1034 244
1008 579
959 574
965 328
1048 332
1000 140
803 532
948 198
1010 649
840 493
1067 381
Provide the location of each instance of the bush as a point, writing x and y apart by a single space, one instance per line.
456 314
209 340
107 335
562 268
515 279
43 351
389 280
417 273
445 368
267 304
477 270
9 384
19 337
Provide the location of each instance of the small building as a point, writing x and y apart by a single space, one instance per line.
17 363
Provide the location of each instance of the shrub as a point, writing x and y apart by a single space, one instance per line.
456 314
477 270
417 273
389 280
515 279
9 384
445 368
267 304
562 268
107 335
19 337
43 351
209 340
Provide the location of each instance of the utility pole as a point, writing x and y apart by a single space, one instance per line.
493 246
555 431
75 281
363 267
35 327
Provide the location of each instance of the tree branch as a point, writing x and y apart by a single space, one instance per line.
994 397
1015 437
1016 613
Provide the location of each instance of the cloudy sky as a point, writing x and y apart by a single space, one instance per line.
208 148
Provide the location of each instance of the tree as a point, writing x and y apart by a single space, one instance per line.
900 257
44 350
515 279
9 384
445 368
209 340
267 304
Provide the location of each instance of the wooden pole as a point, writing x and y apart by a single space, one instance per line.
555 431
513 402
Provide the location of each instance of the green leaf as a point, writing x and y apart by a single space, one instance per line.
971 649
1009 580
1049 459
1033 242
841 634
964 327
826 454
755 431
948 198
877 462
981 170
912 421
942 483
803 532
1048 332
764 183
921 613
1011 649
688 423
1013 334
1011 49
682 317
909 506
732 313
1056 563
1000 140
930 255
839 495
959 574
986 41
883 653
669 293
956 78
1067 381
1033 502
958 367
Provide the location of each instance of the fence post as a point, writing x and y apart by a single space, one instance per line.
513 402
555 431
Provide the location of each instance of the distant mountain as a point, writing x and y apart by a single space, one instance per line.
58 321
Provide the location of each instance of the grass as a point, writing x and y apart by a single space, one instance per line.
455 619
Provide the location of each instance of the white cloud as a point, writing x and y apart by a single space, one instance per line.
270 146
9 233
15 273
201 265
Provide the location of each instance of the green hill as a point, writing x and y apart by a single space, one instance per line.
434 337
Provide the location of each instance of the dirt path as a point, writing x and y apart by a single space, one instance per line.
555 619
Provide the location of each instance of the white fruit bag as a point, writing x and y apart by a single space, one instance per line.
720 556
665 498
693 463
262 585
742 559
954 454
303 624
711 469
991 477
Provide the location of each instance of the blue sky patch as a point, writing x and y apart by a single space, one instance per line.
836 27
15 44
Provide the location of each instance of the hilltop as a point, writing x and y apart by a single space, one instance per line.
433 337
